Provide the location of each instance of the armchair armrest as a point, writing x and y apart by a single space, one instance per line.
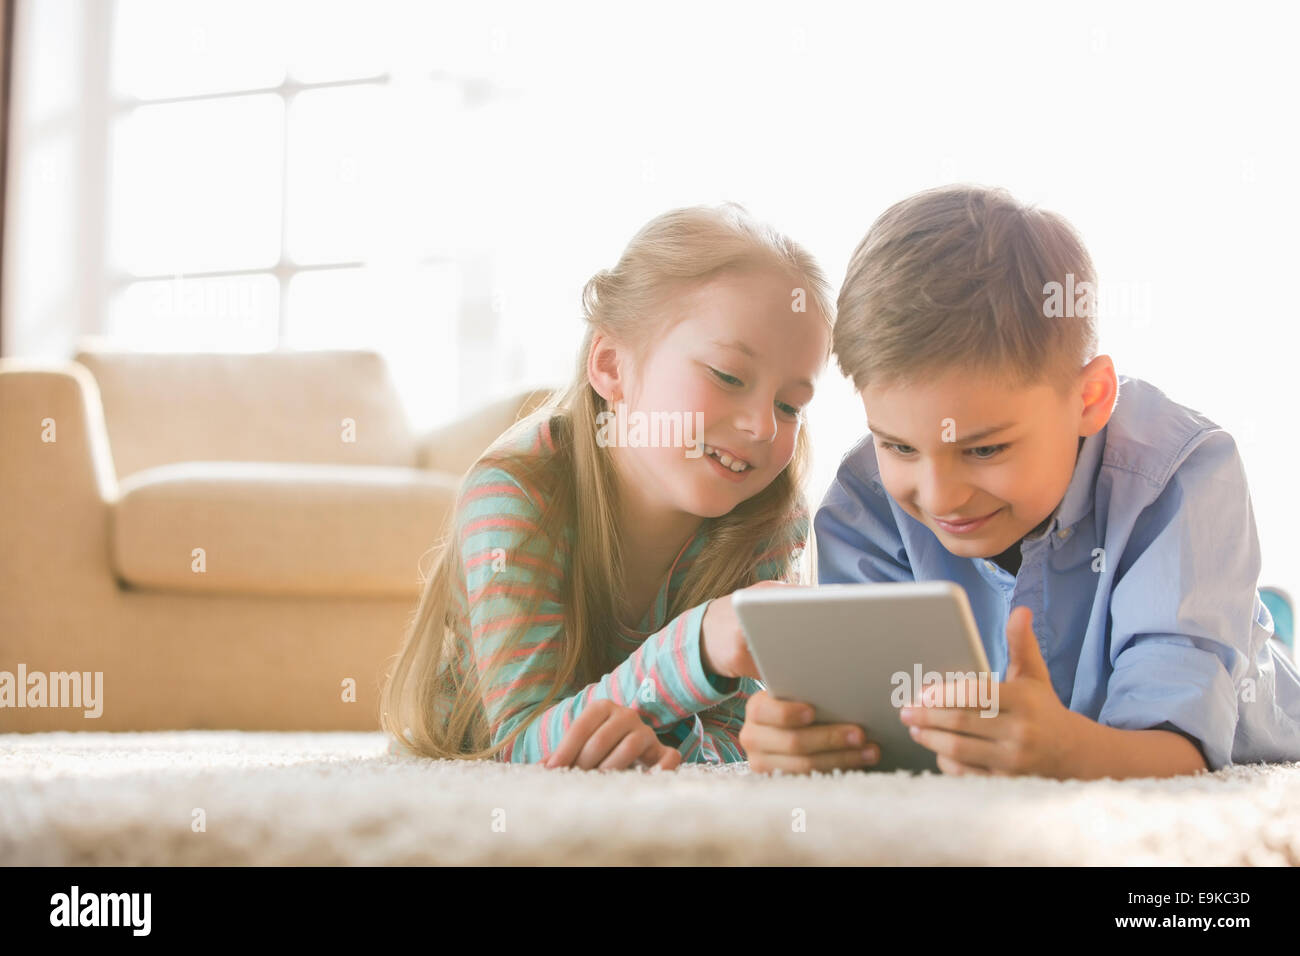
54 404
57 479
455 446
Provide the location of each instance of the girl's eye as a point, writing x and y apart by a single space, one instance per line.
785 407
991 449
900 449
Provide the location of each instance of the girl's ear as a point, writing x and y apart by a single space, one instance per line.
605 367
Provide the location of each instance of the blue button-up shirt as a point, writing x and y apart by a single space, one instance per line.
1143 584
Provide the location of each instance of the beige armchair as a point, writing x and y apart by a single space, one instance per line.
232 541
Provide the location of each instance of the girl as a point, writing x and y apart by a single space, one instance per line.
579 612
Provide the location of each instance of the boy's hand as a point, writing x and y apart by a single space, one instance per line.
608 736
723 647
780 735
1031 733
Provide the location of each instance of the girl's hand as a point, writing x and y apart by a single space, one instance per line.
722 641
608 736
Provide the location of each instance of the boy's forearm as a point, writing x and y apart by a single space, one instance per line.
1101 751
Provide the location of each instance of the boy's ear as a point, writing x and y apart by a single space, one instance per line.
1099 389
604 368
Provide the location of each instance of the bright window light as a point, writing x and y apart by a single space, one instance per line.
196 186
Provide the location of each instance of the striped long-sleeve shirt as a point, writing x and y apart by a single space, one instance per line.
661 673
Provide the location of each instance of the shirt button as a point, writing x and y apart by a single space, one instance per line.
1063 533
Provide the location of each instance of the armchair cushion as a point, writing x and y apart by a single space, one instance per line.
279 406
271 528
455 446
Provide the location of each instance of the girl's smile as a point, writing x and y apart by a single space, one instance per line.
725 471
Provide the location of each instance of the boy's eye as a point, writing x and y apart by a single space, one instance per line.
980 452
729 379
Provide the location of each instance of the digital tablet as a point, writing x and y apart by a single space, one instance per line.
859 652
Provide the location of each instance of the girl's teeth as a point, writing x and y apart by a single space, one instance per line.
735 464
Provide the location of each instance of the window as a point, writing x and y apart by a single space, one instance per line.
438 180
285 174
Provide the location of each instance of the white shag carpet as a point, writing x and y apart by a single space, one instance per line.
342 798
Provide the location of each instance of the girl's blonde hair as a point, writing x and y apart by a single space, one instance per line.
423 701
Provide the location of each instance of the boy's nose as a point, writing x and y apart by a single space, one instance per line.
939 497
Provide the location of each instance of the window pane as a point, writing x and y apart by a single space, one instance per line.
196 186
436 172
385 172
44 239
336 201
53 56
225 314
408 314
488 41
162 48
340 39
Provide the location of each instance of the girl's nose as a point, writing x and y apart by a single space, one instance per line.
758 422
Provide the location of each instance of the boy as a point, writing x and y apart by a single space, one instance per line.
1007 456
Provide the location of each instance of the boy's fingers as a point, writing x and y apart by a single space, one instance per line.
950 766
763 708
819 738
957 719
971 751
959 693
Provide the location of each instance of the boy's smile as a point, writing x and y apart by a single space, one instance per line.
979 463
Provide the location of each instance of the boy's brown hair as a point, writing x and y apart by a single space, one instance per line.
962 277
